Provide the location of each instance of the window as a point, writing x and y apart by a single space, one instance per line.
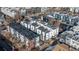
47 36
38 31
25 25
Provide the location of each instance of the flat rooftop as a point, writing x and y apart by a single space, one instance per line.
71 35
48 25
43 29
35 24
23 30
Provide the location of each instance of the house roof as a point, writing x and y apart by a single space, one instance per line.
23 30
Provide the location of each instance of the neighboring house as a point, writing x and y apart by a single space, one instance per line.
44 9
74 9
12 11
23 34
46 31
71 38
64 17
8 11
